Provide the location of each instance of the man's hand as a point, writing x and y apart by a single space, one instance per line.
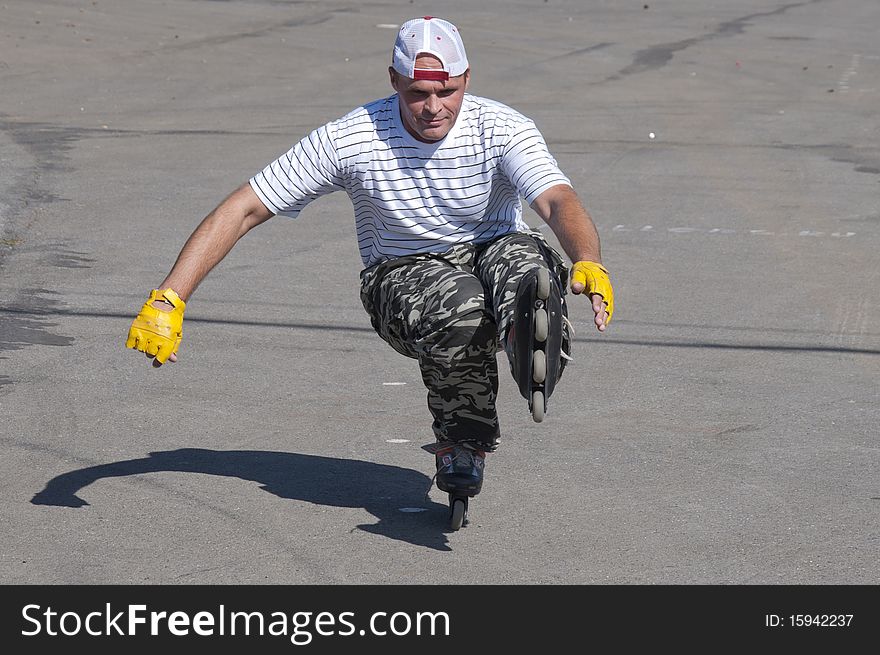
592 278
158 329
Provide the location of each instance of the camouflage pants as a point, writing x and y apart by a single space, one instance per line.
448 310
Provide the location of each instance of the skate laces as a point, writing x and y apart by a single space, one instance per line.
434 477
568 324
460 451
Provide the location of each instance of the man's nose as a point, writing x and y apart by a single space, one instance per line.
433 105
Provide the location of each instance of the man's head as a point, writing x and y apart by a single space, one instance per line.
430 73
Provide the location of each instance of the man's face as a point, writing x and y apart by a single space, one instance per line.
429 107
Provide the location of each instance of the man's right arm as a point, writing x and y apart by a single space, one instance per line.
211 241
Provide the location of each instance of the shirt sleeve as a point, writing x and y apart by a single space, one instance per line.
528 163
308 170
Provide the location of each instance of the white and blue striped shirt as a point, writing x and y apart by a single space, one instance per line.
413 197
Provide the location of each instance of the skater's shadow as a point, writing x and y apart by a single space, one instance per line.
380 489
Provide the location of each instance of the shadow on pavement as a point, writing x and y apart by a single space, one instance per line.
380 489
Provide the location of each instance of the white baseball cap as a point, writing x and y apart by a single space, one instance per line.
429 36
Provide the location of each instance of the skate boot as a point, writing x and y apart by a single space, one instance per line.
460 474
538 339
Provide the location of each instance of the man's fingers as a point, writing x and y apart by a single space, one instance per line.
600 309
578 282
601 320
164 349
157 351
158 361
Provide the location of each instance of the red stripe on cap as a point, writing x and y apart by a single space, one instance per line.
430 74
427 17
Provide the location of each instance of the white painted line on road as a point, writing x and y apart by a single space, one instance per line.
397 440
412 510
843 83
684 229
393 384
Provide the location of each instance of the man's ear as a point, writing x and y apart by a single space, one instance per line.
467 79
393 76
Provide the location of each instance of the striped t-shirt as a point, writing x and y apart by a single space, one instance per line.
413 197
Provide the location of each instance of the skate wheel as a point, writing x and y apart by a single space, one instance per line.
543 284
542 325
459 510
538 406
539 366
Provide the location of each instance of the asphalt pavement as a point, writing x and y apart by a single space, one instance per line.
723 430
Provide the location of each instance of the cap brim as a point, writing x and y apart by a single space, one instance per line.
430 74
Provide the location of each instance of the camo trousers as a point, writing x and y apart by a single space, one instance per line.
449 311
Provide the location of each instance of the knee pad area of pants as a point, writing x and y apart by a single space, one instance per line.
458 305
473 329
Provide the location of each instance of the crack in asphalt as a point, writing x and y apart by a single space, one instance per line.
659 55
307 21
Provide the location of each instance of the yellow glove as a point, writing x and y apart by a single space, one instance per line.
595 279
158 332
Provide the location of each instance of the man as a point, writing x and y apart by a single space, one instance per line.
451 270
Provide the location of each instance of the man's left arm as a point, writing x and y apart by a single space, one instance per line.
560 207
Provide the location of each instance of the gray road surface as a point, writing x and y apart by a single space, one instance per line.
724 430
